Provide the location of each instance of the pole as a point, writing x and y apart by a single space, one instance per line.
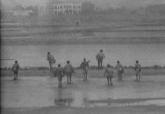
17 20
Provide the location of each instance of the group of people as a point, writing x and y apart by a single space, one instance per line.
60 72
68 70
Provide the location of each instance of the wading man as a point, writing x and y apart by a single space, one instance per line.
15 70
109 74
60 74
137 70
120 70
68 71
85 65
99 57
51 61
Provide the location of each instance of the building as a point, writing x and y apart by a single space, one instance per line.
60 8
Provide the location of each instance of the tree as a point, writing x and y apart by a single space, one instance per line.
18 7
88 8
156 9
34 10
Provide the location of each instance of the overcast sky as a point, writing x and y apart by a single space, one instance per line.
100 3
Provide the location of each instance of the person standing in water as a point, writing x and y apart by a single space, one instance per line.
109 74
51 61
85 65
137 70
99 57
60 74
15 69
120 70
68 71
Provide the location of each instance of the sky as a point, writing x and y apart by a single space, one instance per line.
99 3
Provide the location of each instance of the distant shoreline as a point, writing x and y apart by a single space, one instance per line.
84 34
86 40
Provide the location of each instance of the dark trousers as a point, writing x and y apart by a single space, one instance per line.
100 61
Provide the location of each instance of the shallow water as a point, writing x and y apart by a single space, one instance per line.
28 55
160 102
44 92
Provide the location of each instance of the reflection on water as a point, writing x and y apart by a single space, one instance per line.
61 100
141 103
43 92
69 98
78 100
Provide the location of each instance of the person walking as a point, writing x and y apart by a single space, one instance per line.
15 69
109 74
99 57
60 74
137 70
51 61
120 70
68 71
85 65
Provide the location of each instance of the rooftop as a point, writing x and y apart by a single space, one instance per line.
63 1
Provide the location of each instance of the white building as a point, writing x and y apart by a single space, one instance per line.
42 10
60 8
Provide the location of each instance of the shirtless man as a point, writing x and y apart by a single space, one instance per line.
109 74
15 69
60 74
51 61
137 70
99 57
120 70
68 71
85 65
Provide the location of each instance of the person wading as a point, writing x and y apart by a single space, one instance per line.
51 61
68 71
15 69
85 65
109 74
137 70
60 74
99 57
120 70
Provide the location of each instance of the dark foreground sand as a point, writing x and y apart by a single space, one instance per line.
69 110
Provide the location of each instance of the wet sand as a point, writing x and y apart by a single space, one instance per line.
70 110
40 95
